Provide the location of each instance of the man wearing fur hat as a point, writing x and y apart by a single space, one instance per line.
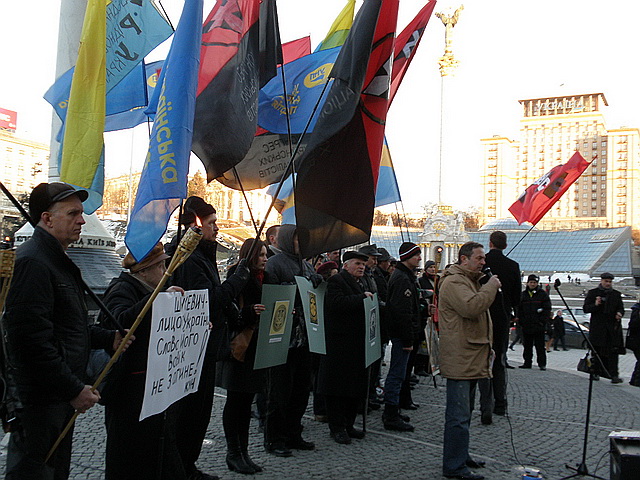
403 305
48 336
465 351
200 271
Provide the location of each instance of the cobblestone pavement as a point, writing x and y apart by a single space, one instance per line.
544 429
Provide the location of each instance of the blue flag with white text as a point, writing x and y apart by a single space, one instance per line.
163 183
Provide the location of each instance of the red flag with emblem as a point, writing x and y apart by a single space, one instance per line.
539 197
338 171
407 44
239 54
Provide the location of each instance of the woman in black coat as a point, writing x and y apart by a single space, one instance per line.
136 449
236 374
342 374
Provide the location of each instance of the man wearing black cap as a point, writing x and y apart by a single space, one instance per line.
605 329
371 251
534 312
342 374
48 337
200 271
404 313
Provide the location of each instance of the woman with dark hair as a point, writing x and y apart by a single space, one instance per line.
236 374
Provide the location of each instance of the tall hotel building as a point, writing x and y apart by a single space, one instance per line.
551 130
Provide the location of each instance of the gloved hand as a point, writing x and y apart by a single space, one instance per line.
315 279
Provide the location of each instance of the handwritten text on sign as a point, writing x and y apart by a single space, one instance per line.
177 345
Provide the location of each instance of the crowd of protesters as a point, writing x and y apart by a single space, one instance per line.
469 308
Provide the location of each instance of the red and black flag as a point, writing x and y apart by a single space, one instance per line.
239 54
407 44
338 171
540 196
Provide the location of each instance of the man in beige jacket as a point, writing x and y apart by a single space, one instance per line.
465 351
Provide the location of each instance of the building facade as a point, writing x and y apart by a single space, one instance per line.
23 165
551 130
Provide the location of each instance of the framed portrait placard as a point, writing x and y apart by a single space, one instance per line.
275 325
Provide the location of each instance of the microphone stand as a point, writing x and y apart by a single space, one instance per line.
581 468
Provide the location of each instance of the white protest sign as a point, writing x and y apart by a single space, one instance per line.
177 346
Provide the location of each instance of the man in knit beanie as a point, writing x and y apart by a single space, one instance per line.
404 312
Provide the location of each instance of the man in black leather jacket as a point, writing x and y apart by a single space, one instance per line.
200 271
48 335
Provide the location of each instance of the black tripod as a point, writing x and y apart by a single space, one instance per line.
581 468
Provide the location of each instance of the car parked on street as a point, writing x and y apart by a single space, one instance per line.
572 337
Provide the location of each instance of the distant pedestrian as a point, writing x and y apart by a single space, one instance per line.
633 341
605 329
559 331
533 313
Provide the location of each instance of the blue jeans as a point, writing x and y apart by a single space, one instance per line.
397 372
460 398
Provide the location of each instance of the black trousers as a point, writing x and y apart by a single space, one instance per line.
39 428
194 415
529 340
342 412
138 450
610 361
236 418
288 388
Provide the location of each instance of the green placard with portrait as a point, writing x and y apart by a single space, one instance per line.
313 306
373 350
275 325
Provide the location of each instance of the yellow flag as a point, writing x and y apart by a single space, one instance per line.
84 124
340 27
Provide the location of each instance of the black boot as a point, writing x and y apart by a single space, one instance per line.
392 421
235 460
244 449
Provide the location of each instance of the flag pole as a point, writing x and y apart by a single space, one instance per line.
246 200
399 223
518 242
289 166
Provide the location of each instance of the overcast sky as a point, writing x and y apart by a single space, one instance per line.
508 50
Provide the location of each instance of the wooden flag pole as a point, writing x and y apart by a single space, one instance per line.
185 248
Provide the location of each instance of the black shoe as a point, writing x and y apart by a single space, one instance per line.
355 433
409 406
543 368
500 411
475 463
300 444
341 437
556 350
237 463
616 380
486 419
565 349
467 476
257 468
405 418
524 366
278 449
397 424
199 475
509 366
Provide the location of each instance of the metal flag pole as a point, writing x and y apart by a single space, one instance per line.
185 248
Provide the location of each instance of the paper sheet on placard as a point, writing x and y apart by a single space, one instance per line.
313 306
177 345
373 350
